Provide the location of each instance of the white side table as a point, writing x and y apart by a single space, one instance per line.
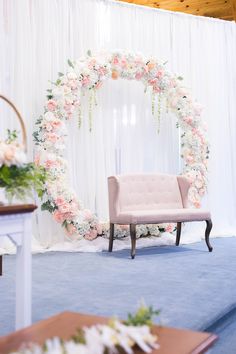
15 222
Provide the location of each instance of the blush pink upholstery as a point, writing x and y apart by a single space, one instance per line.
146 199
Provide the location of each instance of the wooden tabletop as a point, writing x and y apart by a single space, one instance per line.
6 209
64 325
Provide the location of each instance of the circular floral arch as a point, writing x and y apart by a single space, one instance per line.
64 102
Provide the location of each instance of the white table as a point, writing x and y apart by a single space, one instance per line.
15 222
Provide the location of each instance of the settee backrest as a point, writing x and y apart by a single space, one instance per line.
146 192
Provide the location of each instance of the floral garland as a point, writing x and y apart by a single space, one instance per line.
100 339
64 101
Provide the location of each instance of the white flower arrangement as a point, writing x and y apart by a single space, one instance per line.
101 339
17 177
64 102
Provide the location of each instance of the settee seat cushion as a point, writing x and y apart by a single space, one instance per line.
162 216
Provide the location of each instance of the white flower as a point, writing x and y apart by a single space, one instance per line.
20 157
49 116
72 75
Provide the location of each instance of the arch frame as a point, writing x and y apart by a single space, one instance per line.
64 102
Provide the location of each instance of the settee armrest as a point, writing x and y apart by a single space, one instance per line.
184 185
113 192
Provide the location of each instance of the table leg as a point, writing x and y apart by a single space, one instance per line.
24 277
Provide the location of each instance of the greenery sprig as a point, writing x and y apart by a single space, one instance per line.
21 181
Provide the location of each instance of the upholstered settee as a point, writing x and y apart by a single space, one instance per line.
152 199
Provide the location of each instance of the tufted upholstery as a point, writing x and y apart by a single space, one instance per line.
151 199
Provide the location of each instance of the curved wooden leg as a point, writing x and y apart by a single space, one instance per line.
178 233
207 234
133 239
112 227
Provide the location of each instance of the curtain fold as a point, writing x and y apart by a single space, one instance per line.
38 36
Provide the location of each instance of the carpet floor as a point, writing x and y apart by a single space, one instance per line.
193 288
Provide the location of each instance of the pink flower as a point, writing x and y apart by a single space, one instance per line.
99 229
91 235
49 164
60 201
68 107
169 228
51 105
160 74
37 160
98 84
156 89
58 216
189 158
9 153
73 84
197 204
70 229
115 61
64 208
123 62
56 123
188 119
52 137
91 64
102 71
85 81
87 214
138 76
152 81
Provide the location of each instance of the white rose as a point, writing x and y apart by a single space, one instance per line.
58 92
49 116
20 157
71 75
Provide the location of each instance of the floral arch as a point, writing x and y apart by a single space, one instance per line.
64 102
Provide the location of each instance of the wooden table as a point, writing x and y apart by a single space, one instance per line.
64 325
15 222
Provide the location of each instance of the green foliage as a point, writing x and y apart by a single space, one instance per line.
12 135
70 63
143 316
20 182
49 206
79 337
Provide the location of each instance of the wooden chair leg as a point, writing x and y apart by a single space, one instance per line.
178 233
111 238
207 234
0 265
133 239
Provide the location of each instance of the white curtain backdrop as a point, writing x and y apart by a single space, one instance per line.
38 36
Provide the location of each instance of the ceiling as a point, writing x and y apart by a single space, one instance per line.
224 9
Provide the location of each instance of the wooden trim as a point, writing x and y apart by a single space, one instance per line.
203 347
17 209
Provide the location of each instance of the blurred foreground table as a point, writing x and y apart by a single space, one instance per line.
64 325
15 222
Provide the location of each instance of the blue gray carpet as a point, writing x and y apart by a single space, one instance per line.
193 288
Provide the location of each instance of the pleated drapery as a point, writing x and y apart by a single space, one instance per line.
38 36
